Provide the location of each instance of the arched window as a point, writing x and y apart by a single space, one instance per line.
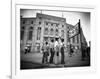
31 28
40 18
38 33
22 28
57 32
30 35
73 39
31 22
39 23
22 32
23 21
62 33
77 39
62 26
46 31
57 25
51 31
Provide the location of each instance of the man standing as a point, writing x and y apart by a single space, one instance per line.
45 49
56 46
51 51
62 52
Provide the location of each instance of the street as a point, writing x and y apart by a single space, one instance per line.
34 61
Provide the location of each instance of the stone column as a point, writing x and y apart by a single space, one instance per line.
25 36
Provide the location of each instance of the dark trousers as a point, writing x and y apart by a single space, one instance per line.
26 51
45 57
62 57
52 55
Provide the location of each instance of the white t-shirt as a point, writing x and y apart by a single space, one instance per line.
55 44
51 45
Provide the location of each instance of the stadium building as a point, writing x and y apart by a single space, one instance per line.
35 31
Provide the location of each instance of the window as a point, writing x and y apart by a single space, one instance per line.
77 47
40 17
22 35
51 31
31 22
46 31
62 26
68 28
56 30
45 39
31 28
38 33
46 23
73 39
51 24
69 40
30 35
23 21
39 23
77 39
62 33
23 28
39 28
56 25
22 32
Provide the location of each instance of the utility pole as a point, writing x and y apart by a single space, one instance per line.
80 33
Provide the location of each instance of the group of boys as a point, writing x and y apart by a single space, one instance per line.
52 50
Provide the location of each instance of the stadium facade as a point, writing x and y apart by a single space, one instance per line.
35 31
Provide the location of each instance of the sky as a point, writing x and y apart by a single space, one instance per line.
71 18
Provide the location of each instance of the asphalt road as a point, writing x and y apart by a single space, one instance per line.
34 61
